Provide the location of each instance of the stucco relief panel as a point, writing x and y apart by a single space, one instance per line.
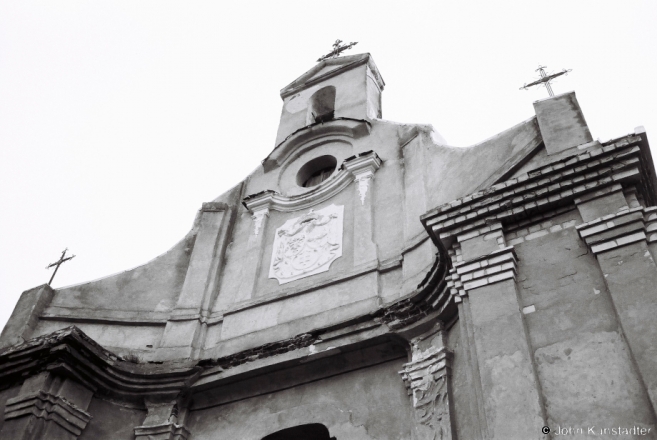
307 245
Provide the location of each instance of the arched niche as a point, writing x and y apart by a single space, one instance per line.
311 431
321 106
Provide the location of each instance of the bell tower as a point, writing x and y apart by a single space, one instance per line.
338 88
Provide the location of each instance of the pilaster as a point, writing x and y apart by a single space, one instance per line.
485 288
183 328
253 255
603 180
363 169
620 242
428 380
47 407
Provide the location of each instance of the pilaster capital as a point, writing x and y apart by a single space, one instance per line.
362 165
49 407
427 381
434 362
258 216
615 230
164 431
497 266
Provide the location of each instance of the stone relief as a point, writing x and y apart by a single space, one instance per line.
430 403
307 245
426 378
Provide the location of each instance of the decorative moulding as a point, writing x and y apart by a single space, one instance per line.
307 245
611 231
364 164
50 408
488 269
72 352
339 127
257 219
427 380
169 431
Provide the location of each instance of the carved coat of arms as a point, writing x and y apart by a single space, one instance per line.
307 245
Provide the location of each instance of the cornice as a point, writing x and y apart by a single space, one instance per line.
350 169
337 128
73 354
556 184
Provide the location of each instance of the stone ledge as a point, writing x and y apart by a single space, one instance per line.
72 353
104 316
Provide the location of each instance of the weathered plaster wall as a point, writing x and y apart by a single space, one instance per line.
366 404
403 188
127 311
152 287
584 366
112 421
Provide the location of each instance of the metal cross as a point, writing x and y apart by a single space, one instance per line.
62 259
545 79
337 49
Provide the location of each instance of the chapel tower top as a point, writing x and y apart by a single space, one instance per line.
345 87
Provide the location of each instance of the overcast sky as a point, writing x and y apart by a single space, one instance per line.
119 119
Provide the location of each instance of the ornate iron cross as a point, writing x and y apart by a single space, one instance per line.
337 50
545 79
62 259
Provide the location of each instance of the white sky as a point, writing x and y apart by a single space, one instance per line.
118 119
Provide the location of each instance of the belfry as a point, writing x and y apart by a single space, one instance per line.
368 281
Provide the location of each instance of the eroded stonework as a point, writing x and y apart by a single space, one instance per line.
307 245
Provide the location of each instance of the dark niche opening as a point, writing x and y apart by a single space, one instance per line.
311 431
316 171
322 105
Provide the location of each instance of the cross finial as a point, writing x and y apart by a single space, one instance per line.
545 79
62 259
337 50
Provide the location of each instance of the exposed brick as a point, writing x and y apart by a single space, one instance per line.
501 277
536 234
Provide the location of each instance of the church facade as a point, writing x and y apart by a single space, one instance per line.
369 282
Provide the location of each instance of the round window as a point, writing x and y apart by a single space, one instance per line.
316 171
